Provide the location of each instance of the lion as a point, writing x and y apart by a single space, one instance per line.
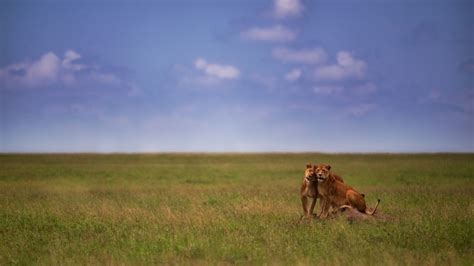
337 194
309 189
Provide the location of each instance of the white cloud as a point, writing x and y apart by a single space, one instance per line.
216 70
277 33
200 63
293 75
49 69
307 56
68 62
31 73
347 67
187 77
287 8
44 70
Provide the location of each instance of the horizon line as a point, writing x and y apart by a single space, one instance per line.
224 152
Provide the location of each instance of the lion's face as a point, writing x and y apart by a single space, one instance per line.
322 172
309 173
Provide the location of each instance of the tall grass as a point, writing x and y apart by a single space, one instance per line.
230 208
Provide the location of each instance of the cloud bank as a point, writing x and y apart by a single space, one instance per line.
347 67
216 70
32 74
277 33
287 8
49 69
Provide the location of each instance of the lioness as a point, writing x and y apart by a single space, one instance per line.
309 189
337 194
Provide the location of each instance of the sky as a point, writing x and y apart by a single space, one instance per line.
237 76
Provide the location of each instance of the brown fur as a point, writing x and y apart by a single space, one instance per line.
309 189
337 194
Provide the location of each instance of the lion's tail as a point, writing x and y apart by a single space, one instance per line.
373 211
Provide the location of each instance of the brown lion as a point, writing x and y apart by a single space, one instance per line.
337 194
309 189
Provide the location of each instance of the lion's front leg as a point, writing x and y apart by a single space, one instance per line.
313 203
322 202
324 208
304 201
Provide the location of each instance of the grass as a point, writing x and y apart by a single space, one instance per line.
230 209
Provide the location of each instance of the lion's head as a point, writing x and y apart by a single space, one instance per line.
309 173
322 172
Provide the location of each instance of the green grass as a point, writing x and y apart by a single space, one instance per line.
230 208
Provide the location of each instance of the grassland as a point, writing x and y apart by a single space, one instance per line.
230 208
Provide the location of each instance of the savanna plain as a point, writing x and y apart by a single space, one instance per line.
231 209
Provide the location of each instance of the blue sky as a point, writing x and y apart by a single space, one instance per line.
274 75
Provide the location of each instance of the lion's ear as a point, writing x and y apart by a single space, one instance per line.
328 167
308 165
